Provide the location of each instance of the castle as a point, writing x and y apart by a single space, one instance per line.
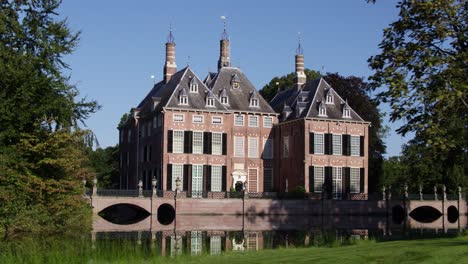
207 137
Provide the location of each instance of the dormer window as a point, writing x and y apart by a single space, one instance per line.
183 100
193 85
329 99
224 100
253 102
210 101
322 110
235 82
224 97
346 110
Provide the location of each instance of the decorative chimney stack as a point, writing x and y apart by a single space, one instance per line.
170 67
224 59
300 78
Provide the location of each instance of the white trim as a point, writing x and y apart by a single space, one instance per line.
216 123
174 119
202 119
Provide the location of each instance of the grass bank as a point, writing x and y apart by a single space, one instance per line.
437 250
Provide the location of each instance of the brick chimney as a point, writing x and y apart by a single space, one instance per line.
224 59
170 67
300 77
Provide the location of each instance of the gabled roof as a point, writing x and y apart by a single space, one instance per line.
239 99
179 84
209 78
305 102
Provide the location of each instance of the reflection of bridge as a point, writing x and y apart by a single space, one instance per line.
231 213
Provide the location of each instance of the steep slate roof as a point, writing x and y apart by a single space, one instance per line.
168 93
305 102
239 99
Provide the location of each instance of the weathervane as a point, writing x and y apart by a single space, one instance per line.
170 38
299 50
224 35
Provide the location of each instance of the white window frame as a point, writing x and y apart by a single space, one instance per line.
216 178
337 182
254 102
268 124
337 147
285 146
177 172
215 245
329 99
197 142
215 117
322 111
210 102
178 141
216 143
354 180
319 143
197 180
183 100
239 147
267 148
319 179
193 88
196 243
201 121
224 100
346 113
253 147
355 145
238 122
250 180
178 118
251 120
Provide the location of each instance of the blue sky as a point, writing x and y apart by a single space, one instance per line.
122 45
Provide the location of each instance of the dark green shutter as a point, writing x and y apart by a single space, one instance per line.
169 177
188 139
361 181
311 179
207 175
311 143
207 142
328 144
187 177
346 180
328 182
346 145
223 179
169 141
361 146
224 144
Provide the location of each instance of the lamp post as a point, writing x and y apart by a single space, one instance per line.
95 187
177 183
154 182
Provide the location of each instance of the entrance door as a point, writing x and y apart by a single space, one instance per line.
197 180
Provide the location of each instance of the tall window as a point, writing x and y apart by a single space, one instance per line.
318 143
178 141
267 148
337 186
253 121
216 120
319 178
285 147
216 143
177 172
215 245
354 180
253 177
197 180
178 118
267 121
337 149
268 179
239 120
197 119
253 147
197 147
196 243
216 181
354 145
238 147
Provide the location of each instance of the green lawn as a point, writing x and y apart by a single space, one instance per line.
436 250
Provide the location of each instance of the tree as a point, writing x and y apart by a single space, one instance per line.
105 163
354 89
422 72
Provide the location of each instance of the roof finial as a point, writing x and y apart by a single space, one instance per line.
224 35
299 50
170 38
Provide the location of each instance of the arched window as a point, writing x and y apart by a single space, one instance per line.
329 99
322 110
193 85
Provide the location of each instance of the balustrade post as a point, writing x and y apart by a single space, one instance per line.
435 193
154 182
421 193
444 190
459 193
246 193
140 188
95 187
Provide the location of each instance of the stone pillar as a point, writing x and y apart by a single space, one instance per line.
459 193
154 182
435 193
406 191
95 187
444 190
421 193
140 188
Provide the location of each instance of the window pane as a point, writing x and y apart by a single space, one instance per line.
178 118
239 120
197 142
318 179
354 180
253 180
318 143
217 120
354 145
178 141
267 121
337 149
216 143
267 149
177 172
197 119
238 146
268 179
197 177
337 182
253 121
215 245
216 178
285 147
253 147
